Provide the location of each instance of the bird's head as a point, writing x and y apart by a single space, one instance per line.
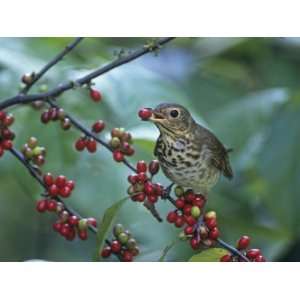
171 118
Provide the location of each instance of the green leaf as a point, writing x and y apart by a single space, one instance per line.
210 255
105 225
166 250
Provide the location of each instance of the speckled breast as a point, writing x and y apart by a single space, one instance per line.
187 165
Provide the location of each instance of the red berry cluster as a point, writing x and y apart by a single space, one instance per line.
56 114
67 225
32 151
145 114
142 187
188 213
123 245
6 135
120 143
89 143
243 243
59 186
95 95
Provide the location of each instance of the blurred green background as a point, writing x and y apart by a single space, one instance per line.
246 90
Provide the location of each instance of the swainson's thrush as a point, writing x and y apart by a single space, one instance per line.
190 155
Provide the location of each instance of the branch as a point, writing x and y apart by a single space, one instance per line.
232 250
52 63
35 175
23 99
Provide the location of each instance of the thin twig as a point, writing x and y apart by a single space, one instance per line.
23 99
52 63
233 250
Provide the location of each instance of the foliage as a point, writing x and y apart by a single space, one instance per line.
245 90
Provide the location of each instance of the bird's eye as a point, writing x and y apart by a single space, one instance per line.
174 113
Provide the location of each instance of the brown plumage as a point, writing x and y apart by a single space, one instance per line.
190 155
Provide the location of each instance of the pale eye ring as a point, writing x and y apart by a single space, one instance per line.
174 113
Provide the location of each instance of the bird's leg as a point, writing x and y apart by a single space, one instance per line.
167 191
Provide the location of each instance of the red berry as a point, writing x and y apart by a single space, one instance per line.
145 113
159 189
190 220
211 223
189 230
8 120
51 205
179 221
226 258
187 209
60 181
98 126
45 117
65 191
7 144
48 179
65 229
73 220
148 188
57 226
1 151
53 190
129 151
80 144
41 205
243 242
194 243
95 95
260 258
141 167
115 246
70 184
154 167
179 203
91 145
7 134
92 222
142 177
172 217
139 197
253 253
152 198
118 155
106 252
2 115
214 233
71 234
190 197
132 179
199 201
83 235
127 256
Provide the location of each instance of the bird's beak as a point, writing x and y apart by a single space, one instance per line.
156 117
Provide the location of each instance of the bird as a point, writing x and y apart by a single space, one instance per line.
189 154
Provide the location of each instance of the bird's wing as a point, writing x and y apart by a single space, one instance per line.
156 146
219 154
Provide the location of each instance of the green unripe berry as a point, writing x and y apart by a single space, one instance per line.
131 243
118 229
138 187
123 238
83 224
179 191
135 251
28 153
37 151
115 142
130 190
32 142
195 212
